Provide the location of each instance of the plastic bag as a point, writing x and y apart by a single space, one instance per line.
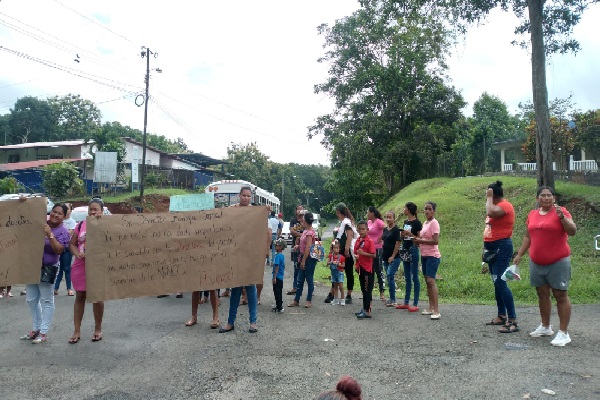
511 274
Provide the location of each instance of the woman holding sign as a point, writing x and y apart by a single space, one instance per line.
40 296
234 301
77 247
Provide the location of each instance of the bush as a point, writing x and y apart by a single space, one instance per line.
9 185
62 179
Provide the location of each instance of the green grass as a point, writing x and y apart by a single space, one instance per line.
461 213
127 196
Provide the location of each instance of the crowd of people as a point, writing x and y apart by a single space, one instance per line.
374 248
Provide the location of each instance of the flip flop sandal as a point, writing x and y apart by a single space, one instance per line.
501 322
193 321
293 305
510 327
74 340
308 305
97 338
215 325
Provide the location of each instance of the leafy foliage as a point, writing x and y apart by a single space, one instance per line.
76 118
9 185
31 120
587 132
62 179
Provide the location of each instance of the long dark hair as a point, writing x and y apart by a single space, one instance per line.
375 212
343 209
411 207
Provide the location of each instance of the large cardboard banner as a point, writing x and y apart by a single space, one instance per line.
21 240
136 255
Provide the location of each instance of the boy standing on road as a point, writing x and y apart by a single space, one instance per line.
364 249
278 270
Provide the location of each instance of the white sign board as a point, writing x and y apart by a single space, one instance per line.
105 167
135 162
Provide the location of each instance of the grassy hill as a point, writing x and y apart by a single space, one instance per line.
461 214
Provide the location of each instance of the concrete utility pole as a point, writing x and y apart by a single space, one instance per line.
145 53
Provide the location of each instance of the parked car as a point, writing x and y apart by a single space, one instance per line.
285 233
80 213
15 196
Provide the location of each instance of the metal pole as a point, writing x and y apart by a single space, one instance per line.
143 172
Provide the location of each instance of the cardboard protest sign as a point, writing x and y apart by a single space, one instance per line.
21 240
136 255
192 202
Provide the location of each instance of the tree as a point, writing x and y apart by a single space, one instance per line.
76 118
491 122
587 132
394 110
31 120
549 24
109 138
61 179
247 162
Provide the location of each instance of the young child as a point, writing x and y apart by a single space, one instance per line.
278 269
364 250
336 263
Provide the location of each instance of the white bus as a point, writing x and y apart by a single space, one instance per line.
227 193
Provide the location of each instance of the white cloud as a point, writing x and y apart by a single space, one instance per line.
241 71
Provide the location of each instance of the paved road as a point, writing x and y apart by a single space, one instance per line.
147 353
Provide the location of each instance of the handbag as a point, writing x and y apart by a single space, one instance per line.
49 273
405 255
317 251
488 256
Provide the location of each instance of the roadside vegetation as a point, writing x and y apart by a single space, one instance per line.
461 213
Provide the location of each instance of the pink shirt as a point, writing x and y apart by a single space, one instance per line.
375 231
430 228
303 238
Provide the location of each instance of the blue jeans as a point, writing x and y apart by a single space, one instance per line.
307 274
65 266
40 299
411 276
234 303
390 270
504 296
273 239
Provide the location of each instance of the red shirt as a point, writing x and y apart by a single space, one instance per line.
336 261
502 227
365 244
548 237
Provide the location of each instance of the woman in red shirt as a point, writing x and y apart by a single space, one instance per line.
548 228
499 223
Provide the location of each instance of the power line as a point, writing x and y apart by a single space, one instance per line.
44 39
80 74
94 22
20 83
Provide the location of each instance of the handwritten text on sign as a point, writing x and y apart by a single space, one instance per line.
136 255
21 240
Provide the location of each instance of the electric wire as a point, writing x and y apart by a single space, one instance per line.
94 22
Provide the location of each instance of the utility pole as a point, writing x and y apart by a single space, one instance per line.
145 53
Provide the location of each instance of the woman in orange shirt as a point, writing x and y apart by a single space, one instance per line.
499 223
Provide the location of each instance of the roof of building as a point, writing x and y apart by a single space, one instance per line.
35 164
77 142
200 159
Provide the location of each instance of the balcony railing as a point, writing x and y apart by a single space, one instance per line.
525 167
586 165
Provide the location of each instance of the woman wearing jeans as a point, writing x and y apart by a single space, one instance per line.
390 255
412 227
40 296
66 258
499 223
307 263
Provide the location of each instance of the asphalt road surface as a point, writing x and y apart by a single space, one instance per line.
148 353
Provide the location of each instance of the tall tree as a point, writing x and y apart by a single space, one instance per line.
31 120
76 117
387 75
249 163
549 24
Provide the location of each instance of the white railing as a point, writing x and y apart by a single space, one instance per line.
530 166
585 165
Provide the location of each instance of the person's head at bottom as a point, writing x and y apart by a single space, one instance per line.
346 389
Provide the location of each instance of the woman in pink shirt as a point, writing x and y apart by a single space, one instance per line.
430 257
376 226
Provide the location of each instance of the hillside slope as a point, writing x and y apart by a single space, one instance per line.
461 213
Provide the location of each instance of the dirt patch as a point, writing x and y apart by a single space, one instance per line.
155 203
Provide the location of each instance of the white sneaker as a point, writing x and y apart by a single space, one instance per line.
561 339
542 331
335 302
342 302
436 316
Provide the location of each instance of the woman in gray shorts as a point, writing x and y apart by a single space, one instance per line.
548 228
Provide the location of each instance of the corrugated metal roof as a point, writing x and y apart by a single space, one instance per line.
77 142
35 164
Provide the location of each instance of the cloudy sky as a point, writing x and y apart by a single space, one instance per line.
239 71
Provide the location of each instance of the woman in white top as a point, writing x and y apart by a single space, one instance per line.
347 235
